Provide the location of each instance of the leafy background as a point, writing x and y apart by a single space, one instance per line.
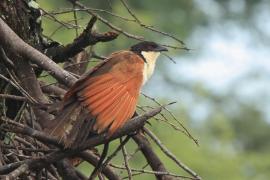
221 85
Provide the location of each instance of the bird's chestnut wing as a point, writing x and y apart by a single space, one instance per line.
111 93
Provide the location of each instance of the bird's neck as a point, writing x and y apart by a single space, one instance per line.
149 65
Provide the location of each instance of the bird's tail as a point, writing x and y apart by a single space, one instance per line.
71 124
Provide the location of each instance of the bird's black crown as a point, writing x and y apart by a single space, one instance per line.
147 46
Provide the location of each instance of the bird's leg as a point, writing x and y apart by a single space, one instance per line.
103 165
99 165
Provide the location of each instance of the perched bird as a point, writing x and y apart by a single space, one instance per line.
105 97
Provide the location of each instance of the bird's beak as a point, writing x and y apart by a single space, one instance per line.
161 48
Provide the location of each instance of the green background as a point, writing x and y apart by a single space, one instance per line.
228 110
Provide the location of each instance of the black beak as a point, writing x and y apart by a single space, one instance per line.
160 48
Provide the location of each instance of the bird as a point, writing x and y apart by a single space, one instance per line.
105 98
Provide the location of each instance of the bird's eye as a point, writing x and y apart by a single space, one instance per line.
152 46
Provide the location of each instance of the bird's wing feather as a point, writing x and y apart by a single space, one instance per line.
85 80
112 96
106 97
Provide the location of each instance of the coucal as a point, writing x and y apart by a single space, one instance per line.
105 97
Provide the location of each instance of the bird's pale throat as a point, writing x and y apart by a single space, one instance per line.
149 67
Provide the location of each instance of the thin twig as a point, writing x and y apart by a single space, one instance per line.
19 88
27 149
57 29
6 58
152 28
14 97
170 154
170 58
116 151
66 25
173 116
124 151
163 119
106 22
92 9
150 172
75 20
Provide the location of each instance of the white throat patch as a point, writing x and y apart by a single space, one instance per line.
150 58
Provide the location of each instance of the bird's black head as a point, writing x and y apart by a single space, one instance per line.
147 46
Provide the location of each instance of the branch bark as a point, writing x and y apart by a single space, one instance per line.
66 171
13 43
38 163
151 157
94 159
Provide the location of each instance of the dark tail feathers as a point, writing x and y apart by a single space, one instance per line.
71 125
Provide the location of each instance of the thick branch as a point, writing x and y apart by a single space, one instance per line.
9 167
52 89
151 157
12 42
67 171
171 155
131 126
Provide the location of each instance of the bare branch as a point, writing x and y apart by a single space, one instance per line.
9 167
66 170
140 171
88 37
68 10
52 89
62 23
105 21
11 41
170 154
23 169
14 97
151 157
124 151
94 159
115 152
153 29
185 131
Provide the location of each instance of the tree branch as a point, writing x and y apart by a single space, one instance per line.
38 163
66 171
94 159
151 157
171 155
86 38
12 42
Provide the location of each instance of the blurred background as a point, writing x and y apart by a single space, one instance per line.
222 85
